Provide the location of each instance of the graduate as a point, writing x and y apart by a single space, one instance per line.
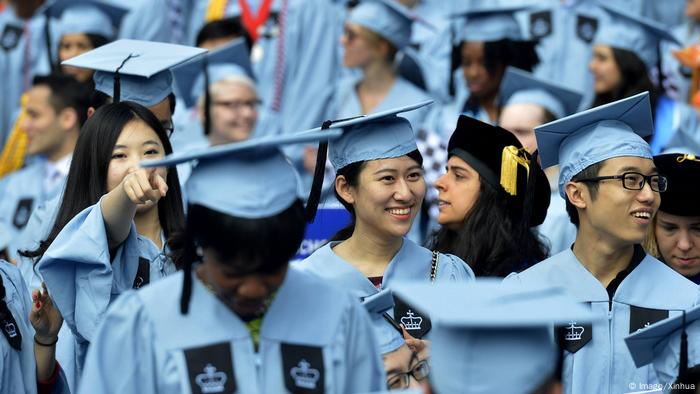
82 26
527 102
485 42
625 57
612 190
674 237
374 31
246 321
29 335
113 233
379 180
499 341
490 197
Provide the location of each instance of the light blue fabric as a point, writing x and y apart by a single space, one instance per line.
305 311
310 60
557 228
677 126
604 365
387 18
519 86
347 102
84 279
87 16
22 192
490 24
22 58
17 368
411 262
565 32
677 78
146 20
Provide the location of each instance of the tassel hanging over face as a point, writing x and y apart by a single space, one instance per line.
511 158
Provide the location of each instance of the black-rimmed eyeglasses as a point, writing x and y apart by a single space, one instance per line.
419 372
634 181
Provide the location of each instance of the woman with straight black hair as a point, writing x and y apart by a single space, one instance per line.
112 228
244 320
492 195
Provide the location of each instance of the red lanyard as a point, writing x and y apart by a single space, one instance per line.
251 22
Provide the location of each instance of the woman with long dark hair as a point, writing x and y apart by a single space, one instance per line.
492 195
112 228
625 56
243 321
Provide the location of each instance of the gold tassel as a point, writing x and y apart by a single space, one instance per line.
687 156
12 156
216 10
510 159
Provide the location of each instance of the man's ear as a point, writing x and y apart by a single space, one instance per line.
577 193
344 189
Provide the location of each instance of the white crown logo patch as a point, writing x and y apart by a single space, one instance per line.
211 381
411 322
304 376
10 329
573 332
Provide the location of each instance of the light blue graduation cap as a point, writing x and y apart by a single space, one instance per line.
589 137
386 330
490 24
634 33
87 16
134 70
491 337
231 59
672 345
388 18
519 86
250 179
381 135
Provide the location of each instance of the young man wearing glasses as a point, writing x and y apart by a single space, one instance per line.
612 191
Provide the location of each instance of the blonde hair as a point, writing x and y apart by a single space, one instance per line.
650 245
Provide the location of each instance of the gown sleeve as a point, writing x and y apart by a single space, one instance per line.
365 367
80 274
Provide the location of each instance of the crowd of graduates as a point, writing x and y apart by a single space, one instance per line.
309 196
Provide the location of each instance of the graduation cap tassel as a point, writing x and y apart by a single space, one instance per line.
117 83
531 189
510 159
186 287
683 359
49 48
455 60
207 98
317 184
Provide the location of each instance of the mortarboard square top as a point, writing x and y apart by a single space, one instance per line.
388 18
490 24
250 179
660 343
520 86
683 174
634 33
378 305
145 76
381 135
490 335
589 137
86 16
231 59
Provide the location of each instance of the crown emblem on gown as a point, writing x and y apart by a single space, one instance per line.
304 376
573 332
211 381
10 329
411 321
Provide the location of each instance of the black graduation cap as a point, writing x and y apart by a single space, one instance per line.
500 159
683 173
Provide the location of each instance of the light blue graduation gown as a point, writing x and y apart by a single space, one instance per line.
136 348
411 262
146 20
84 279
676 125
310 59
21 192
602 363
677 77
22 56
566 33
557 228
17 368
